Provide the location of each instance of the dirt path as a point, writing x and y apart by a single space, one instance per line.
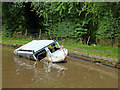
91 50
95 59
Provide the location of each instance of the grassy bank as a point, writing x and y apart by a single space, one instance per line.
106 51
91 47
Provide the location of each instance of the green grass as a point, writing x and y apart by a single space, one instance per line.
19 39
110 55
70 43
11 40
97 47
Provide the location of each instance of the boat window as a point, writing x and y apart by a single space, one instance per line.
54 47
41 54
26 50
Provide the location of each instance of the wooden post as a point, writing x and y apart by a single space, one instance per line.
39 34
88 40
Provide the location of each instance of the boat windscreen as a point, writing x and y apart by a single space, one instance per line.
53 47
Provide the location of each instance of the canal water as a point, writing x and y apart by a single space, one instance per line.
23 73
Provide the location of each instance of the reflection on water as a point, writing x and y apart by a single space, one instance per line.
24 73
40 73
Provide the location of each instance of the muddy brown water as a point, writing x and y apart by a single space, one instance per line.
23 73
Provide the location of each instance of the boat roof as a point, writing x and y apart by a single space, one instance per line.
37 45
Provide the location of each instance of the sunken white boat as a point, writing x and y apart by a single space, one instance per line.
43 49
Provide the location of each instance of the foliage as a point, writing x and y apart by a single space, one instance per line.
12 18
59 30
81 21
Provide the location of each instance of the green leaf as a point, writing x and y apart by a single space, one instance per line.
61 12
69 10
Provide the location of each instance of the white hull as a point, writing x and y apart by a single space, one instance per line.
57 56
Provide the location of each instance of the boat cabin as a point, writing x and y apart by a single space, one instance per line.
39 49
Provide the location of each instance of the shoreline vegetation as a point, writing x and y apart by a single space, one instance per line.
106 55
87 29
